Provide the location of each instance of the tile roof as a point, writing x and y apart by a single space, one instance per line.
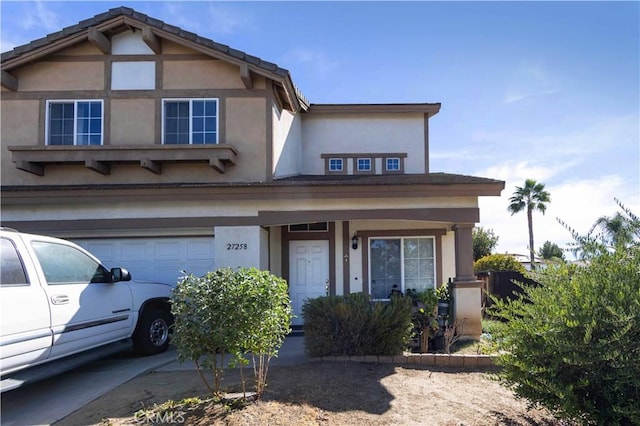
389 179
301 181
78 29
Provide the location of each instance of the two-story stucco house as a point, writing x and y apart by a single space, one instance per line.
163 151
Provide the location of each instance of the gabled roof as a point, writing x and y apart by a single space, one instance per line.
122 18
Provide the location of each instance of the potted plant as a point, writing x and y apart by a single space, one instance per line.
443 295
425 323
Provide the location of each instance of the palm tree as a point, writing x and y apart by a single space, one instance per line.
617 229
531 196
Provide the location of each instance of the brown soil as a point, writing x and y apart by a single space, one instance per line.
322 393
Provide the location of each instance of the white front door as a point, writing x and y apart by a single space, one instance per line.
308 273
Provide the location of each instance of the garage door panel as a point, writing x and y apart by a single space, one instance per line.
155 259
106 252
200 251
134 250
169 250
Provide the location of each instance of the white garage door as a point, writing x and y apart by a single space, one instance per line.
155 259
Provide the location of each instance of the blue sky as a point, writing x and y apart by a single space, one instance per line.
541 90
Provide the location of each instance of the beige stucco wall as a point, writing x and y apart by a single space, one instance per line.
135 119
134 207
81 49
246 130
363 133
204 74
133 122
57 76
275 250
287 143
340 259
18 127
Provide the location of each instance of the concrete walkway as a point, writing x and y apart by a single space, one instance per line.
291 353
53 399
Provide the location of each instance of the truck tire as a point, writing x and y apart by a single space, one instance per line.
152 332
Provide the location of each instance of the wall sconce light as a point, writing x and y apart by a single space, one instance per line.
354 242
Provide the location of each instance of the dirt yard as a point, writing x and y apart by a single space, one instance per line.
322 393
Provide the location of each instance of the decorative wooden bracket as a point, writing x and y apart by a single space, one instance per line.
151 40
9 81
245 76
99 40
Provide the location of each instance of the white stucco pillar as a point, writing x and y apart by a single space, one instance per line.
241 246
466 289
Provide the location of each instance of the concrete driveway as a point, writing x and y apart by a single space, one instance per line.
53 399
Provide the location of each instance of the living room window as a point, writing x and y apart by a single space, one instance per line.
190 121
406 262
74 122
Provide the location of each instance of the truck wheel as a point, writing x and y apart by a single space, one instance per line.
152 333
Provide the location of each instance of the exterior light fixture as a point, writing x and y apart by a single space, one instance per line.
354 242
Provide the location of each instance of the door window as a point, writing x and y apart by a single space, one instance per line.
11 269
62 264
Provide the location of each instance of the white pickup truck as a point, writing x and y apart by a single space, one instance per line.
58 301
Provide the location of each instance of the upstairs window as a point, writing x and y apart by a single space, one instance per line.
393 164
335 164
74 122
364 164
190 121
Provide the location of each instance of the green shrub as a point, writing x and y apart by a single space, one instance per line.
571 344
498 262
230 312
351 325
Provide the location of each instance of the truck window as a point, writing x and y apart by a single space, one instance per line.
11 267
64 264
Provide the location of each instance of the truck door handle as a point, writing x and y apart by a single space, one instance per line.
60 299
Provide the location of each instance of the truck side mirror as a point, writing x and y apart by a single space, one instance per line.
120 274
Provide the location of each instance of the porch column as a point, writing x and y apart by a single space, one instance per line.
466 289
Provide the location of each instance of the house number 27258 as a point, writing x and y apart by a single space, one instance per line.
236 246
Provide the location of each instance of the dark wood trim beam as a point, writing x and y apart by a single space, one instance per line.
33 159
444 215
9 81
246 77
430 109
364 155
346 254
98 166
99 40
34 168
152 40
217 165
153 166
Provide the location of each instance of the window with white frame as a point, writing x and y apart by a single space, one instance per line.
335 164
408 263
363 164
392 164
190 121
74 122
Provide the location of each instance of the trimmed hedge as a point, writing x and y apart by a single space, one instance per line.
353 325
